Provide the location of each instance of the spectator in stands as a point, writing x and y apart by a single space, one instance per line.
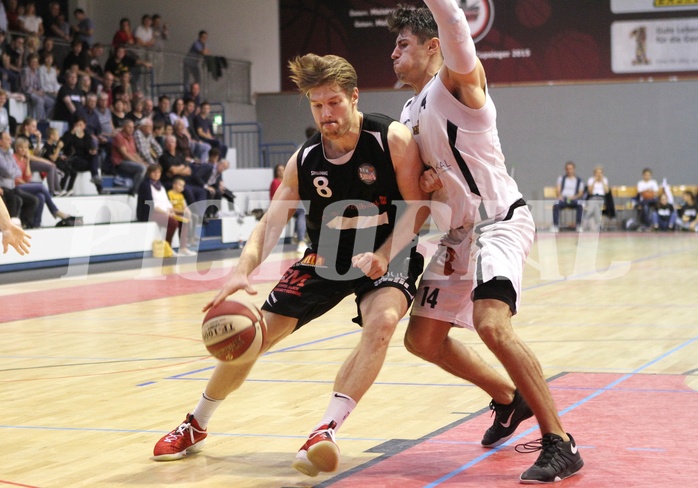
148 107
647 193
4 114
125 157
143 34
61 28
84 29
47 47
52 150
48 78
159 132
190 111
125 88
688 212
30 23
31 46
664 215
19 203
194 93
40 104
10 78
160 32
299 214
154 205
178 113
570 189
147 146
123 36
214 184
122 61
162 111
597 189
28 130
94 63
174 165
194 58
69 99
80 149
108 86
89 113
55 24
76 57
12 15
100 126
105 116
136 113
16 53
86 85
160 35
24 183
191 150
183 216
118 113
203 127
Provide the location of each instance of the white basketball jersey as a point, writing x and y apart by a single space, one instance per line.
462 145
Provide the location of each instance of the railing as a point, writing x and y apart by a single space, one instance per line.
246 138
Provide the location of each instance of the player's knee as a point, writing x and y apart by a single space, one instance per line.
421 345
381 325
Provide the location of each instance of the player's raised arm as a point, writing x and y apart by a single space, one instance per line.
463 73
265 235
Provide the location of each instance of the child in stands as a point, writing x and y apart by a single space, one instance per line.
181 214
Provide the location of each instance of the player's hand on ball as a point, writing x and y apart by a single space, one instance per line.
235 282
370 264
430 181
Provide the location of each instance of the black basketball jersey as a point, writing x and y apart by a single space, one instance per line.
350 207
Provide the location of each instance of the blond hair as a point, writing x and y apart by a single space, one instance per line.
311 71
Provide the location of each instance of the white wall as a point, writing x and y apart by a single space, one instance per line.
246 30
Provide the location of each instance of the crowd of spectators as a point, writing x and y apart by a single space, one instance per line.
653 204
109 125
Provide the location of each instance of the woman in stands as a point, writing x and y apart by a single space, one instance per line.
28 131
37 189
153 205
80 150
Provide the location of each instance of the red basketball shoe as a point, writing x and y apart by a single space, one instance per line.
319 453
186 439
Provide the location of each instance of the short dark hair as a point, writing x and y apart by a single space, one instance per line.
419 21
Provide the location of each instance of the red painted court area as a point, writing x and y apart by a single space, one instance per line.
635 431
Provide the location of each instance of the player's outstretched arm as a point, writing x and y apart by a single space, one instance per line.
264 237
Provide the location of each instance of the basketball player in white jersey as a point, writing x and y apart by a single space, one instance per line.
474 278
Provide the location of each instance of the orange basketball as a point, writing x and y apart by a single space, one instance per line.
648 195
234 331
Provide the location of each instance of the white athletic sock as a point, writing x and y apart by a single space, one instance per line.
338 410
204 410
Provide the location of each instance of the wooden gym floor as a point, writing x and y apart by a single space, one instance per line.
95 368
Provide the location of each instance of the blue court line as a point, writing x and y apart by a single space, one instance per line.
581 402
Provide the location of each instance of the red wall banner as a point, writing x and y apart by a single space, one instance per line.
518 41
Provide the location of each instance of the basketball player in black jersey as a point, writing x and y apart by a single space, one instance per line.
358 178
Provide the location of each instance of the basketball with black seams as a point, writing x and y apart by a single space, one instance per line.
234 331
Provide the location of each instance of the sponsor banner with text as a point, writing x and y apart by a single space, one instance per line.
525 41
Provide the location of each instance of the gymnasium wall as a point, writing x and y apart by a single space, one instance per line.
625 127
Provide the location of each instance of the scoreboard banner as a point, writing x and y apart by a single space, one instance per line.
518 41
